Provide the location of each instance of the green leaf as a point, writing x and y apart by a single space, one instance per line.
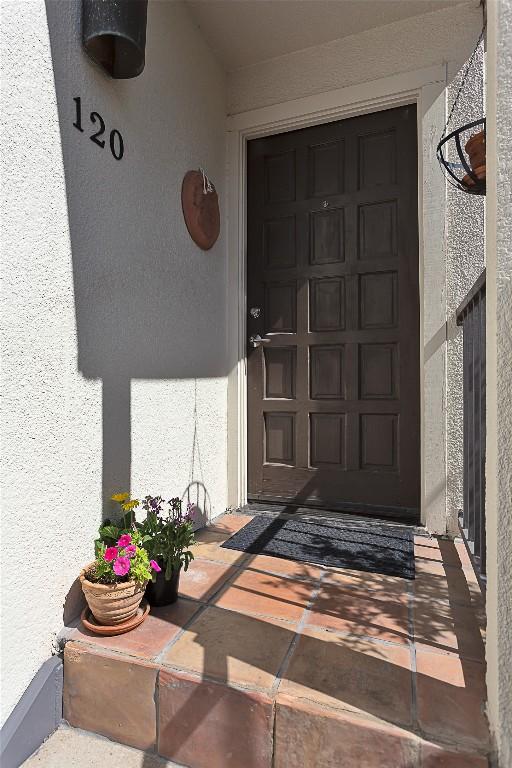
109 533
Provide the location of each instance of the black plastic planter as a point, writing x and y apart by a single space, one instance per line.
162 592
114 35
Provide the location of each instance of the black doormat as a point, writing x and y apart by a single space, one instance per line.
361 546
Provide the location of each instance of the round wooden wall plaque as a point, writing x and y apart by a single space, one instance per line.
200 210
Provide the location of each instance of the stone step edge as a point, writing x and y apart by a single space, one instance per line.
155 678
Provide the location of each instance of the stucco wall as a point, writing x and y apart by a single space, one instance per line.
403 46
499 376
433 316
465 260
114 360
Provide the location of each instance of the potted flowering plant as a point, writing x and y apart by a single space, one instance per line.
114 583
167 534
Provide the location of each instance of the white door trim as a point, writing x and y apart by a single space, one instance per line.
419 87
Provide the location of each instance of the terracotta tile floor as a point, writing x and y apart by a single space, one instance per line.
265 661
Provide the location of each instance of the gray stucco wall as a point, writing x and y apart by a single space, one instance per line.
465 259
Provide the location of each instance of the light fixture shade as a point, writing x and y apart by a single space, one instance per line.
114 35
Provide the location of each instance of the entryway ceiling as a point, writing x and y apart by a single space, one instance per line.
245 32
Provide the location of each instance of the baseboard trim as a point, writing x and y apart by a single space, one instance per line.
35 717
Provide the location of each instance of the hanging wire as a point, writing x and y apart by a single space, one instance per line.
464 78
207 185
449 168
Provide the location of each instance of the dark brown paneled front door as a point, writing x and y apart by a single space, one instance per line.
333 388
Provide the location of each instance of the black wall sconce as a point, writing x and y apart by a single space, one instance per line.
114 35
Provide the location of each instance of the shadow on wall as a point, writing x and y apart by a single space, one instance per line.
149 304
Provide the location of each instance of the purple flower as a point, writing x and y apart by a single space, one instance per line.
122 566
130 550
154 565
110 554
153 504
124 540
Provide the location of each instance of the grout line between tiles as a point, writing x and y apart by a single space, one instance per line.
412 652
225 584
202 677
156 695
300 626
358 636
202 608
246 565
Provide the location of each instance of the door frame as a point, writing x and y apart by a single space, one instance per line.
425 88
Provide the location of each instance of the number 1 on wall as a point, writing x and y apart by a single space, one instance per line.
78 121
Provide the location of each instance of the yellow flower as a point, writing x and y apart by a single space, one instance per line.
129 505
120 497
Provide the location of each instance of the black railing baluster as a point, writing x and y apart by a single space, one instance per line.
465 384
469 327
471 316
476 424
483 540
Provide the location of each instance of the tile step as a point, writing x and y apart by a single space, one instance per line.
202 723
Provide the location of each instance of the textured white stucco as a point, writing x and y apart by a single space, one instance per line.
504 374
112 318
499 377
403 46
465 260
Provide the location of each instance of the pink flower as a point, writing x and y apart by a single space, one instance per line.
122 566
110 554
154 565
124 540
130 550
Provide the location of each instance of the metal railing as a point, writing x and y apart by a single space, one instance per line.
471 316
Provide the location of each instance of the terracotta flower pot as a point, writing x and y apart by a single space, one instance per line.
475 147
112 604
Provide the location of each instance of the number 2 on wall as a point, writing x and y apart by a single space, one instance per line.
116 140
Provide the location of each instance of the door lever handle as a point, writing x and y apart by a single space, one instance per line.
256 340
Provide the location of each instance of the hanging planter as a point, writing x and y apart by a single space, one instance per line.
461 153
468 174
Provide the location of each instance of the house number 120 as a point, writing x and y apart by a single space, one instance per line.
116 140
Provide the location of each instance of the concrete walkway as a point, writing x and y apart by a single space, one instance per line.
73 748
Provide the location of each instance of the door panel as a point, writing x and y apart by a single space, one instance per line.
333 390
